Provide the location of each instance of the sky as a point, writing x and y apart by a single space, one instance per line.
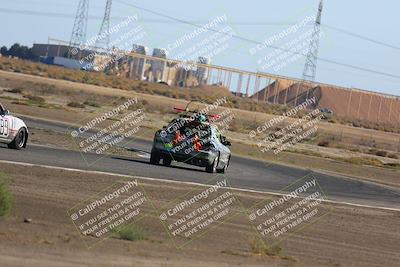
255 20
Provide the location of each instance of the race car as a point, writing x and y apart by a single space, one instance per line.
191 138
13 131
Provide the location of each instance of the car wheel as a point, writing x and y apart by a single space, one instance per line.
166 162
154 158
225 168
19 140
211 168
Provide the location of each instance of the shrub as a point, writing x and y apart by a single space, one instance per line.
92 103
16 90
35 99
258 247
144 102
365 161
333 120
131 233
75 105
357 123
5 198
324 143
381 153
19 102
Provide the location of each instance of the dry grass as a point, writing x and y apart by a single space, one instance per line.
5 197
100 79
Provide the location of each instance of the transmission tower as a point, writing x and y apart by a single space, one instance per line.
103 39
310 67
78 36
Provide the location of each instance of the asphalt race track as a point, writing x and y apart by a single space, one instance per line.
242 173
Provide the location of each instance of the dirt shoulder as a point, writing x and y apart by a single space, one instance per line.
346 236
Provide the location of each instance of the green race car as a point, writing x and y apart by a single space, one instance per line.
191 139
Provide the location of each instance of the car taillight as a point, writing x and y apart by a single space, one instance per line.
178 137
196 144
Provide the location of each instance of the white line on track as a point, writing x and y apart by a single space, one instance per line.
187 183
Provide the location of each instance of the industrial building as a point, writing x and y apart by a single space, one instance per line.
136 64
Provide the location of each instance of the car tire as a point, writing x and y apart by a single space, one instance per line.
20 140
225 168
166 162
211 168
154 158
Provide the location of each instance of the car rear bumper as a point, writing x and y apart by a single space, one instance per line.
201 159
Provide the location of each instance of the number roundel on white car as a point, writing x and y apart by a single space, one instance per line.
4 126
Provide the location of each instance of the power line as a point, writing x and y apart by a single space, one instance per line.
360 36
259 43
37 13
49 14
163 21
63 15
147 20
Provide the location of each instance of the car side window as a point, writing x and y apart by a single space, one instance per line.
218 133
214 134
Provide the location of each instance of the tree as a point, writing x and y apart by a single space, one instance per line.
15 50
4 51
20 51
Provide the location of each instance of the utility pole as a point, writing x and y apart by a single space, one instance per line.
78 36
310 67
103 39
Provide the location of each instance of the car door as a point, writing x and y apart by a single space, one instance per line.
224 152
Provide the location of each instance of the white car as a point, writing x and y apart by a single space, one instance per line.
13 131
